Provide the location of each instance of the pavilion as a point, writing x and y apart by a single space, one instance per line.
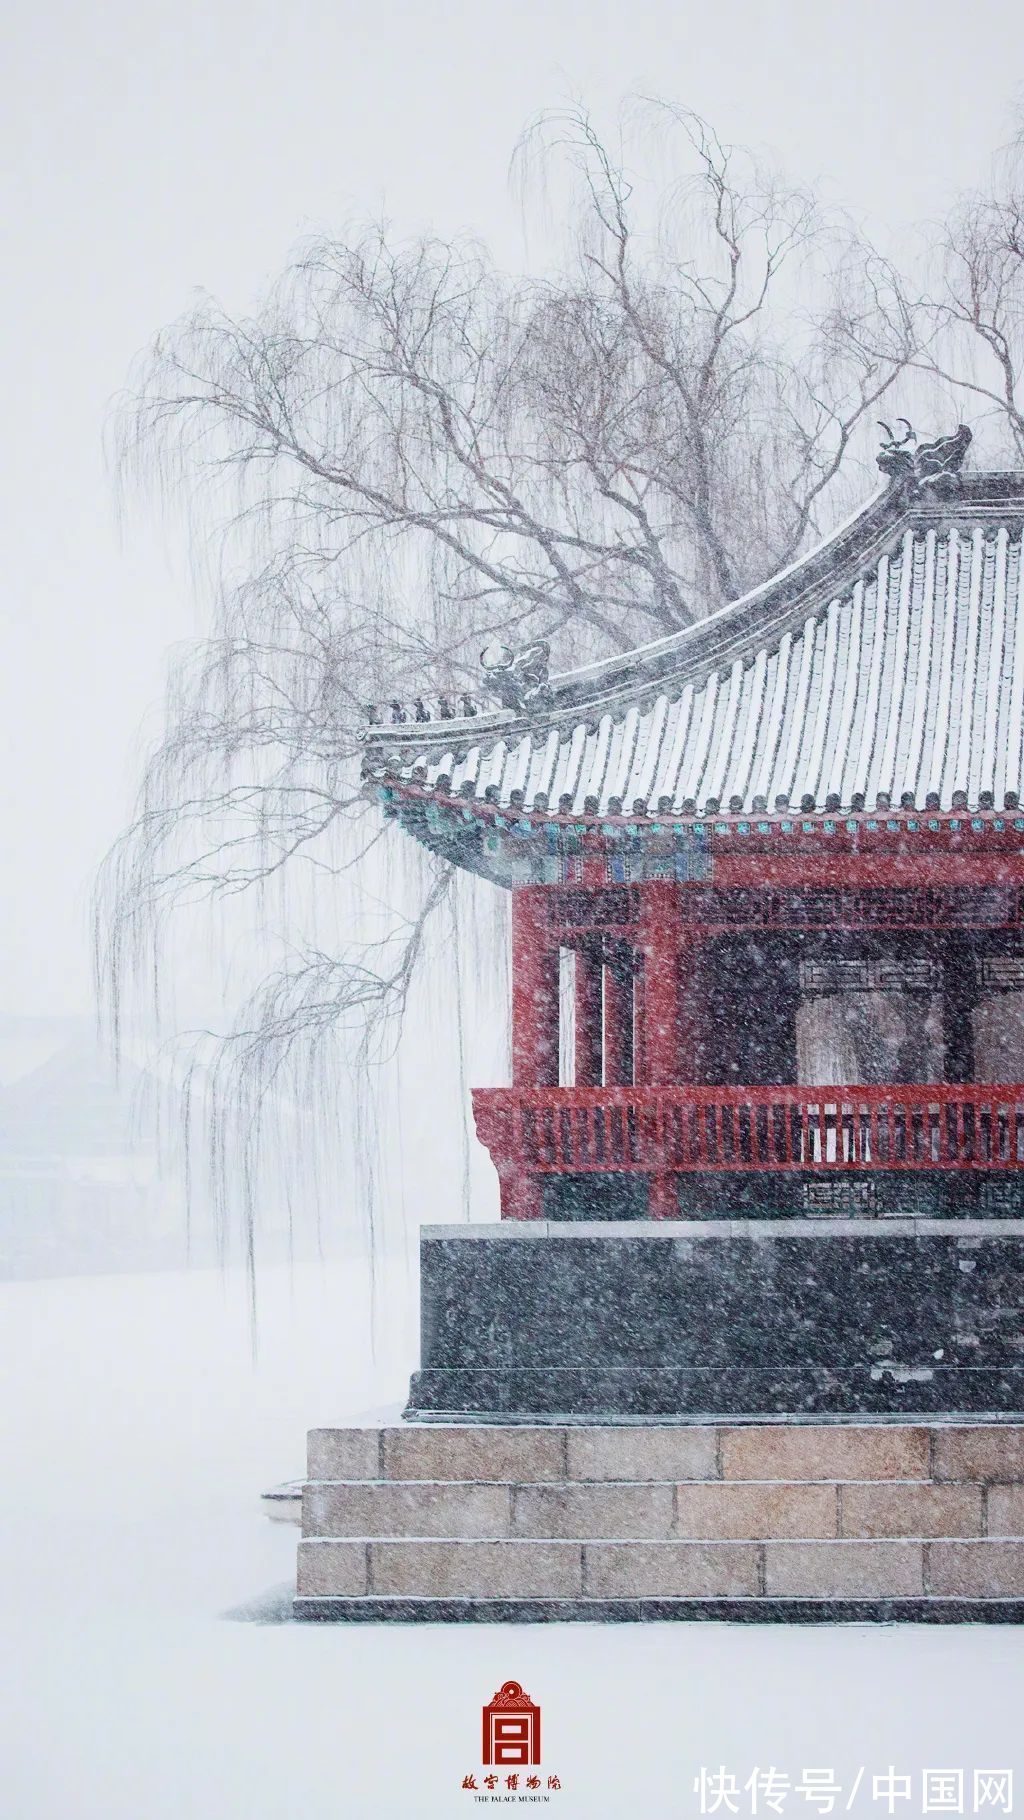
748 1341
767 882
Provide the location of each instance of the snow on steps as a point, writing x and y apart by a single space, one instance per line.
819 1521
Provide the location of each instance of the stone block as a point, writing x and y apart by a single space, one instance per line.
975 1570
331 1570
476 1570
993 1454
406 1509
1005 1510
510 1455
911 1510
844 1570
592 1510
825 1453
633 1452
670 1570
343 1453
727 1512
671 1318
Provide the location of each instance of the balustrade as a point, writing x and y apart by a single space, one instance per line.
659 1130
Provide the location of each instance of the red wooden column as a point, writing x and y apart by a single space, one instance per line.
534 991
588 1018
534 1040
659 1062
662 939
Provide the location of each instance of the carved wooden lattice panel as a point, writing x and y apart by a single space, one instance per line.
1002 1197
839 1197
1001 972
966 907
584 909
917 973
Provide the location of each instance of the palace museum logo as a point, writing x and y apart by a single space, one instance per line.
510 1750
511 1728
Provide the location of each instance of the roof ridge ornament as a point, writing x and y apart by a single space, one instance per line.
909 462
519 678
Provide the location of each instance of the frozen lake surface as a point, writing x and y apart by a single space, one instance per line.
138 1433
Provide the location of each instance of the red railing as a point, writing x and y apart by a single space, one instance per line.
662 1130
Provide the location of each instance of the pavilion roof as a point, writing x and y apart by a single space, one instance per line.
886 667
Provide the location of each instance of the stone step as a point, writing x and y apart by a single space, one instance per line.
981 1453
714 1511
509 1569
916 1520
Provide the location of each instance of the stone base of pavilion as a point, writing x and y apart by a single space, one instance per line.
763 1522
783 1421
682 1319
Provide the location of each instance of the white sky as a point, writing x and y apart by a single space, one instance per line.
152 148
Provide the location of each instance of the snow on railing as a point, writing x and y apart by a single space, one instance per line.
660 1130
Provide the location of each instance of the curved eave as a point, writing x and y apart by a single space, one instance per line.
737 631
891 678
959 826
983 849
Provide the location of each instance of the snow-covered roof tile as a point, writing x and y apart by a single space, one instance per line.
888 664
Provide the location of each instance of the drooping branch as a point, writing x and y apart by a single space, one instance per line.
404 451
975 310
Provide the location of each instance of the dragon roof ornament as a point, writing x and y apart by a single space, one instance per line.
908 461
519 679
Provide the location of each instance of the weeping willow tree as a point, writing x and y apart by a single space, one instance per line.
971 319
404 452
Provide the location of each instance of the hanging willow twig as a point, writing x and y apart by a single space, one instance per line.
403 451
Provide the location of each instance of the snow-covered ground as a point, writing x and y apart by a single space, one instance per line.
138 1433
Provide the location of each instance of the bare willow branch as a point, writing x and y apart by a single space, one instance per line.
404 450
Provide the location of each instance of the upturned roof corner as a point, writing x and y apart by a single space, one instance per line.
883 668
